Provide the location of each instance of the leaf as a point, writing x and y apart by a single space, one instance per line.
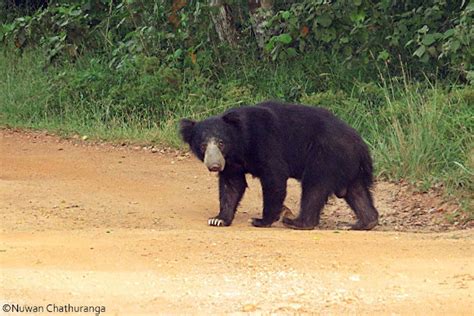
291 52
357 16
409 43
285 15
6 28
348 51
270 45
383 55
470 76
284 38
344 40
328 35
304 31
420 51
325 20
432 51
424 29
425 59
178 53
75 12
448 33
428 39
357 2
455 45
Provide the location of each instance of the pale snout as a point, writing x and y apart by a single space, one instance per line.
213 158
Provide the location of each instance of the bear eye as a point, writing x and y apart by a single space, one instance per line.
220 144
203 147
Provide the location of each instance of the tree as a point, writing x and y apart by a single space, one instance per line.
223 22
260 11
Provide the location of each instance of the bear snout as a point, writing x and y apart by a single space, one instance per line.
215 168
213 158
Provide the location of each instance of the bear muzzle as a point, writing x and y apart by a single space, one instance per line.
213 158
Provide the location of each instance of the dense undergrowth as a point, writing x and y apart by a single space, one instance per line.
407 89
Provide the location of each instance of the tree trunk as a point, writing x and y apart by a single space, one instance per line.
260 12
224 22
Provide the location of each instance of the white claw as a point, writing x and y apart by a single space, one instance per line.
215 222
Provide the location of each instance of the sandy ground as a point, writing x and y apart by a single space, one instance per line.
125 228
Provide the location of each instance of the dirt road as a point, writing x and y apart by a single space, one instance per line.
126 229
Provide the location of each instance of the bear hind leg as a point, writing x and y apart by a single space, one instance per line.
359 199
313 200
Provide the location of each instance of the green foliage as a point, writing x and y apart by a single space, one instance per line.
121 30
436 32
58 30
433 37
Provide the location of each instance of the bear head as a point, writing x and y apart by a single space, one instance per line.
215 140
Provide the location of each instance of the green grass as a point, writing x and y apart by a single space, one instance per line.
418 131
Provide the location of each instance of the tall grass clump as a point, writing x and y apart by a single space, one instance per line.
25 92
428 137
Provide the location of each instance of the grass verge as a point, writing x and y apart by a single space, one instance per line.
418 131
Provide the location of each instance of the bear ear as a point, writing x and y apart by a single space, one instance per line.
186 129
232 118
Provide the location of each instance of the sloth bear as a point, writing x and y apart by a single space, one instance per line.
274 141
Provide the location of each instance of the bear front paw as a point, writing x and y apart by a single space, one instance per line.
214 221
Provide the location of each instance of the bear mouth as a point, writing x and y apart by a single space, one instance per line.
215 168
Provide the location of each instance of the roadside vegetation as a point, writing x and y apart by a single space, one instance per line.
399 72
